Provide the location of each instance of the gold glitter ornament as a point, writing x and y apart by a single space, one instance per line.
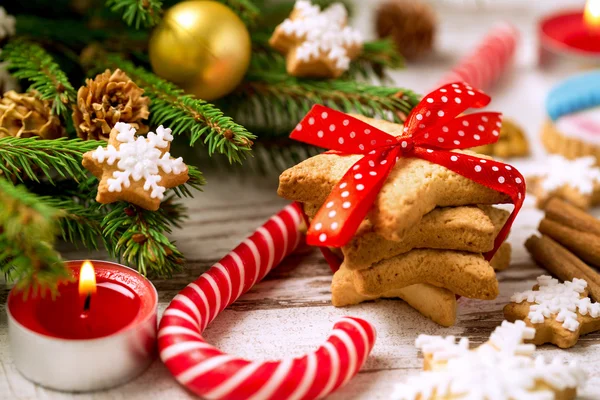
201 46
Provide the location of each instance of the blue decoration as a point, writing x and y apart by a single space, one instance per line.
577 93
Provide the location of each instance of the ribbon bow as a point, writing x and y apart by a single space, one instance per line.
431 130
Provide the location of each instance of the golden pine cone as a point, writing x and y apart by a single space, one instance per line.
24 115
109 98
411 25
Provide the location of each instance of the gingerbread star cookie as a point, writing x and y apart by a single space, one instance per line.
559 312
135 169
502 368
317 43
437 304
466 274
575 181
413 188
467 228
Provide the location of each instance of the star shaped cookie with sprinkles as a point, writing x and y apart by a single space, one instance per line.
135 169
559 312
317 43
502 368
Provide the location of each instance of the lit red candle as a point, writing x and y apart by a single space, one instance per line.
574 32
99 331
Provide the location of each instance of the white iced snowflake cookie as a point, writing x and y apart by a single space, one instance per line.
134 168
317 43
576 181
559 312
503 368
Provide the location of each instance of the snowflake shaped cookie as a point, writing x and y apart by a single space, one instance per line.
576 181
134 168
559 312
503 368
317 43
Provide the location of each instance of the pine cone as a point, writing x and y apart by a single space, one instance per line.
411 25
25 115
109 98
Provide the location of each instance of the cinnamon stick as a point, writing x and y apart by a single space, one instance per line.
571 216
563 264
585 245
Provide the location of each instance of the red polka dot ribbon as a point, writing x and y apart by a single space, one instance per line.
431 131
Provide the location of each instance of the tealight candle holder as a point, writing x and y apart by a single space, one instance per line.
571 35
85 341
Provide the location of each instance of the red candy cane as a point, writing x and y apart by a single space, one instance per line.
490 59
213 374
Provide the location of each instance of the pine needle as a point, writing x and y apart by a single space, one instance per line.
140 239
271 103
139 13
31 158
375 58
30 61
80 223
27 231
184 114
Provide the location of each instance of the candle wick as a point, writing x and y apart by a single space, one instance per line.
87 303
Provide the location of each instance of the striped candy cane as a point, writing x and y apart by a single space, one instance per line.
212 374
488 61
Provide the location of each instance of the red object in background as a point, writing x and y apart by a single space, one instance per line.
488 61
566 32
122 299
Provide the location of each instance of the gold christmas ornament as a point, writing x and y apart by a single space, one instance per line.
24 115
203 47
109 98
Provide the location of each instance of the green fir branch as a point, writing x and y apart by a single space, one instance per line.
245 9
271 103
30 61
138 13
196 181
28 228
80 223
140 239
184 114
67 31
375 58
30 158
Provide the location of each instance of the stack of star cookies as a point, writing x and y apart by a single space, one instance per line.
423 239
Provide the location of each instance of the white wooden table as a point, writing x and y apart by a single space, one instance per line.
290 312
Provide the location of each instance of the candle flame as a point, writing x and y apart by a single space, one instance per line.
591 15
87 279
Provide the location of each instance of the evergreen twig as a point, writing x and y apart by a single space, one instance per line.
30 61
29 158
196 181
271 102
140 238
184 114
80 223
27 231
375 58
145 13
